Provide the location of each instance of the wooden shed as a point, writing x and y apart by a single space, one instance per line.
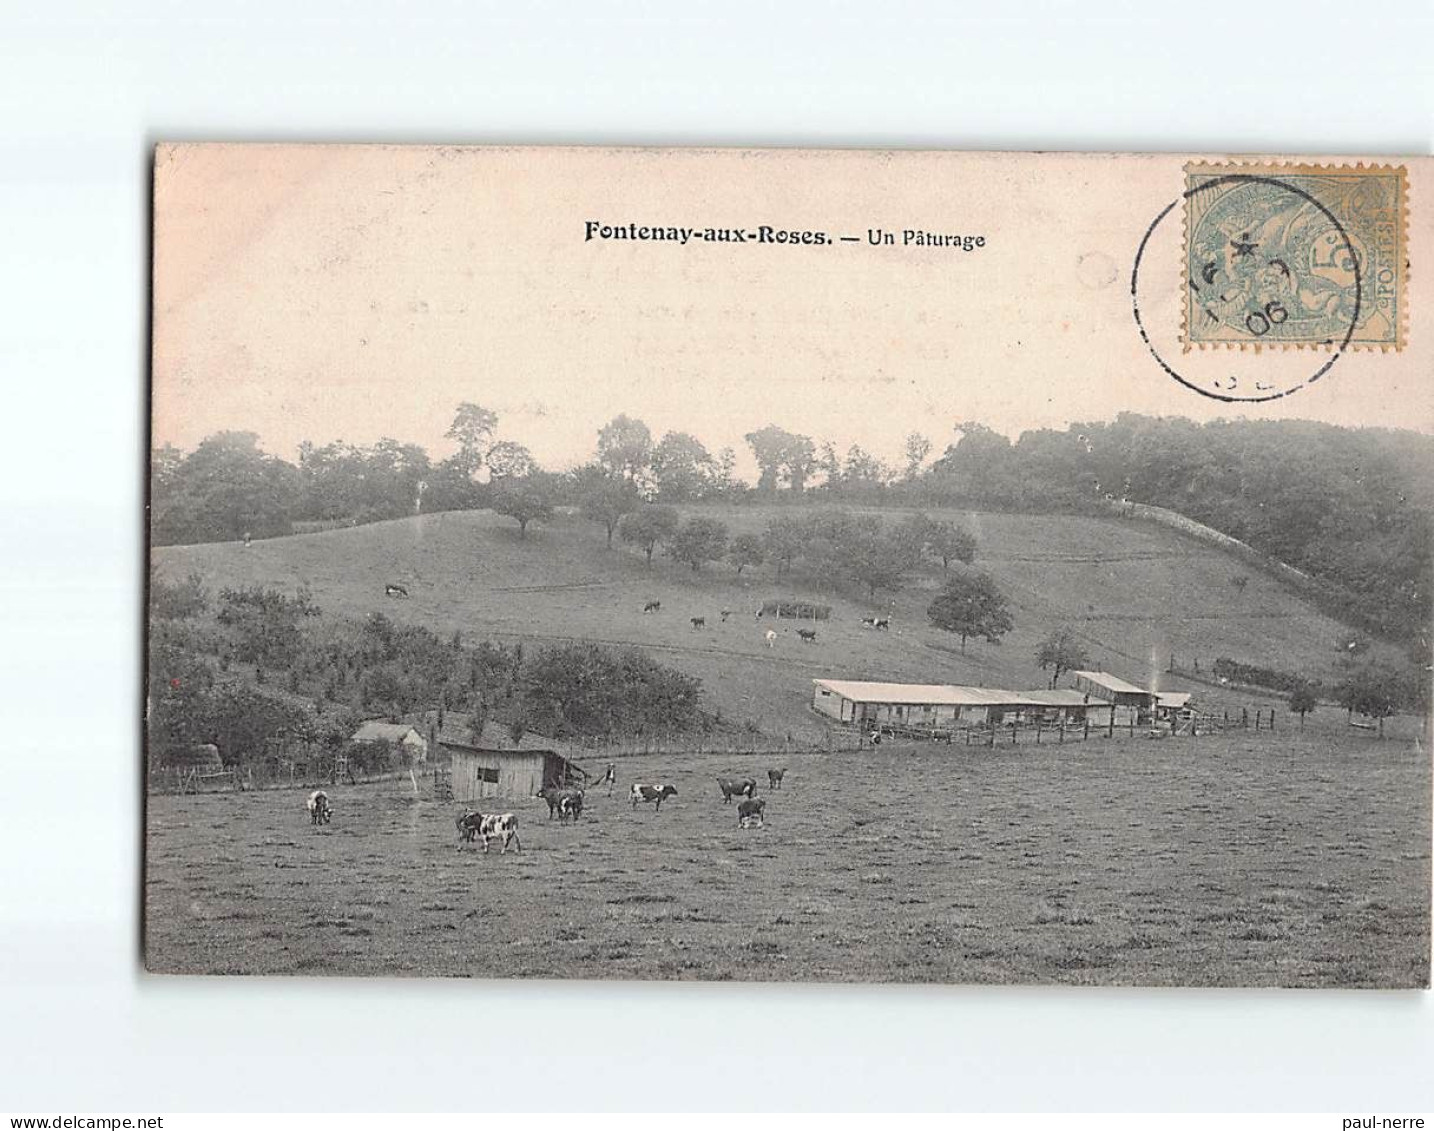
479 772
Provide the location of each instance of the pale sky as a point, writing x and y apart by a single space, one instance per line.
328 293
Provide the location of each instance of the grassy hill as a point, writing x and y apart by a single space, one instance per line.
1135 593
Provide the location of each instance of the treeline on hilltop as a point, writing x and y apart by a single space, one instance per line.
1350 507
259 674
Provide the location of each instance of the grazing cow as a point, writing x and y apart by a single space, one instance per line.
882 623
771 638
749 811
808 635
868 622
774 778
652 607
395 591
699 622
495 826
730 789
656 794
319 808
562 801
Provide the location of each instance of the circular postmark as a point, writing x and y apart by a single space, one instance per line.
1265 263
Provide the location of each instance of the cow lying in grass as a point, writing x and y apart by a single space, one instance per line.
656 794
563 802
473 825
749 811
319 808
730 789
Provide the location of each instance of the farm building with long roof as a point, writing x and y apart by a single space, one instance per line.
1098 698
913 704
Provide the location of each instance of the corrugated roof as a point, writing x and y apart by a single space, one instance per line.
923 694
1173 698
1111 682
377 731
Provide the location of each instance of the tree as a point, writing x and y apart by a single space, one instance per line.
950 543
873 555
625 447
918 447
864 470
724 480
682 468
1063 652
507 459
221 490
829 464
699 540
1375 691
782 455
648 527
471 430
527 499
604 497
971 605
784 539
745 550
1303 701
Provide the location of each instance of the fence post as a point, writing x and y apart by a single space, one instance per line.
1038 733
1259 716
1245 717
1060 740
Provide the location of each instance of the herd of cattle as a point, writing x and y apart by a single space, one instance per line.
806 635
565 803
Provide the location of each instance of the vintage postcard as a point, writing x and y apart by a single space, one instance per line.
790 565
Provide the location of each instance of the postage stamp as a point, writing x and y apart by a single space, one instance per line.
1295 256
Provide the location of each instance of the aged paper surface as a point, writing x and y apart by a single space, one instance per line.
832 565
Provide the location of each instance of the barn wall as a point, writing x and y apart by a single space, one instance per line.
829 703
520 774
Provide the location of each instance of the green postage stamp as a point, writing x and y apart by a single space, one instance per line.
1295 256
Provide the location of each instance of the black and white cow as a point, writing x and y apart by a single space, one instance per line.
494 826
699 622
652 607
395 591
749 811
563 802
808 635
656 794
319 808
730 789
774 778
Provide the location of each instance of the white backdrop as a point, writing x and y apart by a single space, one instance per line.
84 96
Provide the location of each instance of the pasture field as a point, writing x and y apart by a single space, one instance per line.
1269 860
1133 592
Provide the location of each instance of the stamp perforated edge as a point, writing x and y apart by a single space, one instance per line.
1274 169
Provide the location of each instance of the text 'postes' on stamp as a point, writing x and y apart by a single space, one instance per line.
1295 256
